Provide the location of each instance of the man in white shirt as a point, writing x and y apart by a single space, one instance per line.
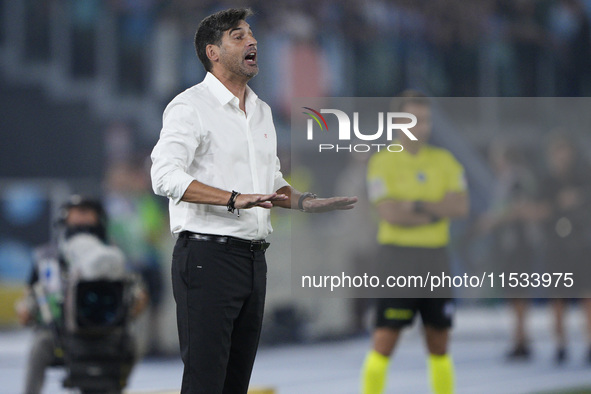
216 160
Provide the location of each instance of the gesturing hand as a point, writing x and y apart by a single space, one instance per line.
245 201
316 205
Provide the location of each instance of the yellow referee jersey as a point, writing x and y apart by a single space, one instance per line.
426 176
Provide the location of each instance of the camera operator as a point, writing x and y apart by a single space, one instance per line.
43 305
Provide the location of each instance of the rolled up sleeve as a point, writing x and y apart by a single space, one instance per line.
278 181
175 150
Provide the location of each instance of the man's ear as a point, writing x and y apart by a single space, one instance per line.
212 52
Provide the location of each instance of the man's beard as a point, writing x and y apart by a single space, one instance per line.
239 68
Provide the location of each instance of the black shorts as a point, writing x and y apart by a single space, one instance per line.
400 312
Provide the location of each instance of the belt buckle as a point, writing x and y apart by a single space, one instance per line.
252 246
257 245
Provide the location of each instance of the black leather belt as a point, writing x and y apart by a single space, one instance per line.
253 246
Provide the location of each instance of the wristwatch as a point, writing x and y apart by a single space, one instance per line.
303 197
419 206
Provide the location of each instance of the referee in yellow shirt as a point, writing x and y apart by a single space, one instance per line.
416 192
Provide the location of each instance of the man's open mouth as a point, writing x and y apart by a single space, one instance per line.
251 57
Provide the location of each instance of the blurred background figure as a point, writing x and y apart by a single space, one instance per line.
138 227
416 193
570 33
567 193
513 222
58 267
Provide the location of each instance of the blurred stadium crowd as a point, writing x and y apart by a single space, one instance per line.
449 48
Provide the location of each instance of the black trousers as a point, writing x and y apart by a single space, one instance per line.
220 296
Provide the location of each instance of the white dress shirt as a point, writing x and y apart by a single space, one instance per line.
206 136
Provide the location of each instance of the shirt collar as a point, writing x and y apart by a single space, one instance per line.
222 93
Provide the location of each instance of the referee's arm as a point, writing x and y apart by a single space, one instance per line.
418 213
452 205
402 213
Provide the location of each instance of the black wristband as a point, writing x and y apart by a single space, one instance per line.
232 201
303 197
